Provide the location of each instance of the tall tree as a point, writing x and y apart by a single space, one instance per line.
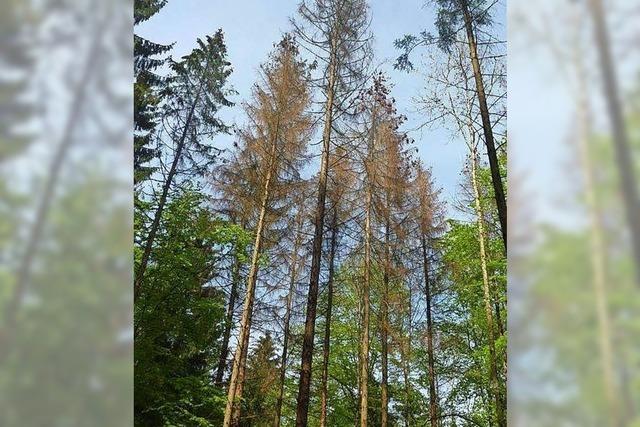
337 30
277 141
194 94
392 175
454 17
341 179
429 218
501 416
295 261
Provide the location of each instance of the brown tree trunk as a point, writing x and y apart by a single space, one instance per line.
302 408
433 398
232 410
496 179
495 389
327 327
287 317
163 200
224 351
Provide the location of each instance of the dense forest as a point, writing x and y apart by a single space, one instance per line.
313 273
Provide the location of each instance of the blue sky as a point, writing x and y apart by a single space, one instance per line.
251 28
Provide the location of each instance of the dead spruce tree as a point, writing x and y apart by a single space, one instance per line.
276 141
393 178
384 163
428 215
296 263
337 33
341 179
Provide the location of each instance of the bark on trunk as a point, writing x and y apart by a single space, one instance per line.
496 179
287 319
302 407
406 364
364 297
364 334
407 390
433 399
495 389
236 383
327 327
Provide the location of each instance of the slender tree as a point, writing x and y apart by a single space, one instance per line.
341 178
427 216
468 17
195 92
337 30
277 140
295 266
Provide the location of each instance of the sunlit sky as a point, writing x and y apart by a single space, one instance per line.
251 28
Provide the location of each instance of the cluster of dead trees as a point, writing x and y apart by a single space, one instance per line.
369 198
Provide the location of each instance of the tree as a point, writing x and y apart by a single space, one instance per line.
337 30
276 140
194 93
340 179
453 16
628 180
387 167
180 319
296 263
428 215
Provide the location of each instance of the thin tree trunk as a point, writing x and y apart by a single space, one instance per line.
327 327
163 200
406 355
433 399
224 351
384 386
364 297
496 179
364 334
495 390
287 317
302 408
232 410
624 157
